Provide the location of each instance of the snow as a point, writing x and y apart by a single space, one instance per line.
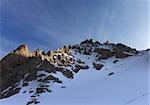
129 85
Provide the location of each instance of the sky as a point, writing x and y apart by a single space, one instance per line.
50 24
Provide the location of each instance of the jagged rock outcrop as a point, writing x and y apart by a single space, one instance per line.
9 70
22 50
122 51
23 64
97 66
103 53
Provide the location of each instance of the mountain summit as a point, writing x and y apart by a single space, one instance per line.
22 68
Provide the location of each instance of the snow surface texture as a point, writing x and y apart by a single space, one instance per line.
128 84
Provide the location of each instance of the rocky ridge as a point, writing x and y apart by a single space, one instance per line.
22 66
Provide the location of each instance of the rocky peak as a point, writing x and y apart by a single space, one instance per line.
49 53
90 42
64 60
38 52
22 50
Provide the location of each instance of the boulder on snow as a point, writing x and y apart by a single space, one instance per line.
79 67
52 78
80 62
110 73
68 73
97 66
115 61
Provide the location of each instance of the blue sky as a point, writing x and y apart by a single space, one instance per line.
49 24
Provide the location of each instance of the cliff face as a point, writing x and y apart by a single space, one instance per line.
14 58
22 61
22 64
22 50
14 66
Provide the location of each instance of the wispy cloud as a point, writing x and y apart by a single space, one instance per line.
53 23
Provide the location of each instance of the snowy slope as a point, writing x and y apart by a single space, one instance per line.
129 85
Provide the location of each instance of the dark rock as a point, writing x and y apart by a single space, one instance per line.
125 48
86 52
25 84
24 91
106 43
38 53
75 47
76 70
48 90
9 75
40 90
97 43
82 66
59 69
40 80
10 92
52 78
63 87
103 53
30 102
47 66
78 67
16 71
87 41
120 54
49 53
33 96
97 66
16 90
115 61
80 62
32 76
110 73
36 102
43 53
31 91
41 75
44 85
68 73
58 81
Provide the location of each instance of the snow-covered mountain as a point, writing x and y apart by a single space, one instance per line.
89 73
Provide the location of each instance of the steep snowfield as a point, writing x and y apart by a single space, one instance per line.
129 85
